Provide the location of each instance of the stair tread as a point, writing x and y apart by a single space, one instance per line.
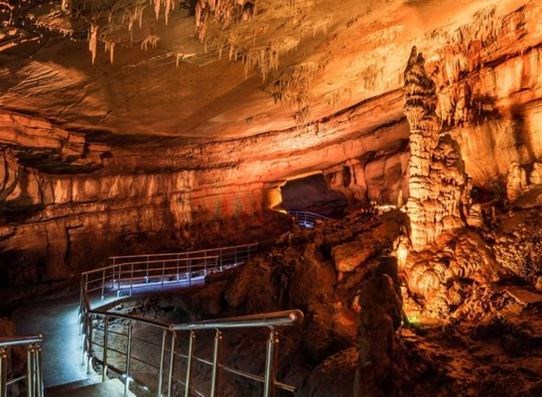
111 388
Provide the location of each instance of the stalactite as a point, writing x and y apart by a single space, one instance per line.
151 41
110 47
168 9
65 5
157 4
93 41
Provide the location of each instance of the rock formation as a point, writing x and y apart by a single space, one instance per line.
516 181
438 185
381 317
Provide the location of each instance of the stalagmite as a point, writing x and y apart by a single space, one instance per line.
439 187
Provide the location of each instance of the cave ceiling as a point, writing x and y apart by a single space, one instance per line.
217 69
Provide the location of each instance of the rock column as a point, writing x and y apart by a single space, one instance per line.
439 188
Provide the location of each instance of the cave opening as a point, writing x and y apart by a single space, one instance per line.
312 193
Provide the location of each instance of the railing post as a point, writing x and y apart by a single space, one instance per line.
113 281
128 354
84 336
39 371
3 372
171 364
119 280
104 356
189 272
30 376
188 379
131 278
80 300
270 364
215 378
89 342
161 370
163 273
178 267
103 283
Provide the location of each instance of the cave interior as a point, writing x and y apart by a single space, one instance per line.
317 198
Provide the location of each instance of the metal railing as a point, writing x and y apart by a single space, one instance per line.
307 219
132 271
34 373
103 332
165 361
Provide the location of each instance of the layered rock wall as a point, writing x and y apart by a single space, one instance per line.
57 196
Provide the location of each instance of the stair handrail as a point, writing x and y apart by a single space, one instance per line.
170 332
34 371
271 321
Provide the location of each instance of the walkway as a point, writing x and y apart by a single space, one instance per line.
57 320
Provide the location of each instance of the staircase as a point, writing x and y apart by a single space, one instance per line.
85 388
168 367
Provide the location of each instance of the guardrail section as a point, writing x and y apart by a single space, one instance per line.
133 271
111 343
34 374
307 219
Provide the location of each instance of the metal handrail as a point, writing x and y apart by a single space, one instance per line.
127 271
275 319
171 332
167 353
310 213
34 373
116 258
307 218
109 267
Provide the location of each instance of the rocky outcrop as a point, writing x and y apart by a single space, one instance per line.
381 317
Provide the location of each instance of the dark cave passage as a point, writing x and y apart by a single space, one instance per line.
312 193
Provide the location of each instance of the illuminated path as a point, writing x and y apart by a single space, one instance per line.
57 320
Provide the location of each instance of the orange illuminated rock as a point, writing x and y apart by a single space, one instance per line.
438 186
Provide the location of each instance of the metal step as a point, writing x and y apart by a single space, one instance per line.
111 388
